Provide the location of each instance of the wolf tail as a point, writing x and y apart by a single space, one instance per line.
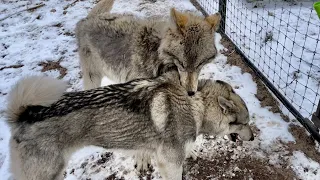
102 7
33 90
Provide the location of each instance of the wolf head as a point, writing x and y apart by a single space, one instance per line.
189 45
225 112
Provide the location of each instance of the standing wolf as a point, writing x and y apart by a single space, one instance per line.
153 115
123 47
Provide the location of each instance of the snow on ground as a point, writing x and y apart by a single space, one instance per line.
305 167
46 35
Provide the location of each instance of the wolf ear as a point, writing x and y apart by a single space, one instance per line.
227 105
179 19
214 20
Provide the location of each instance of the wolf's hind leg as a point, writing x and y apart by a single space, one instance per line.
30 163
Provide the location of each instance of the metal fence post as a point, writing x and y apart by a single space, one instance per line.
223 13
316 116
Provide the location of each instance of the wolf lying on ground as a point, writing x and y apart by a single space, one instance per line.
150 115
123 47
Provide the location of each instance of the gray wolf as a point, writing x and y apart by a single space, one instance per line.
123 47
148 115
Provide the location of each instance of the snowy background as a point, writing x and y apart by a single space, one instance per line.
42 41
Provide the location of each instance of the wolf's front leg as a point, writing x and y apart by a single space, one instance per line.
191 151
169 162
142 160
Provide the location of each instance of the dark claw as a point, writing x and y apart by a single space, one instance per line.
135 166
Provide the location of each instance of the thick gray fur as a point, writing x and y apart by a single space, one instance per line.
149 115
123 47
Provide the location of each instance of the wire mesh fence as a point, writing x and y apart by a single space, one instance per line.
280 38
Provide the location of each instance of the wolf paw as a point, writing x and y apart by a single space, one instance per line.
143 162
193 153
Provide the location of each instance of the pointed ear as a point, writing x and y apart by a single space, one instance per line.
179 19
227 105
214 20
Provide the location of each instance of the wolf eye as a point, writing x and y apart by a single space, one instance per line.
163 68
175 58
171 55
234 122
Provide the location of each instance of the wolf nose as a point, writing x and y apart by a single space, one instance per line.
191 93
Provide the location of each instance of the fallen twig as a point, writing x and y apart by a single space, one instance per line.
12 66
231 53
28 9
71 4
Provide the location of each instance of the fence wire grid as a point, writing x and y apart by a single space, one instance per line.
281 39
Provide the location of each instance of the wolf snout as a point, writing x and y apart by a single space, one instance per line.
234 137
246 134
189 81
241 132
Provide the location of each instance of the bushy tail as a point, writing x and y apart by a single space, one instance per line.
33 90
102 7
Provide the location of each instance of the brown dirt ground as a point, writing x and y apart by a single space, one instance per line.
223 167
52 65
304 143
244 168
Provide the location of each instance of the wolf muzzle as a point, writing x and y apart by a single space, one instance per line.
189 80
